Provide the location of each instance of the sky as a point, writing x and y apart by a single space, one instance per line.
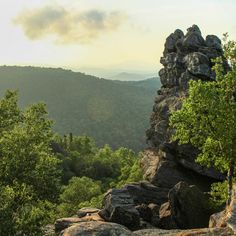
103 37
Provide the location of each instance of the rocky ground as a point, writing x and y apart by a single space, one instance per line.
173 198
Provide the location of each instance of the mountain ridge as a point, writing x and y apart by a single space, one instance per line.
112 112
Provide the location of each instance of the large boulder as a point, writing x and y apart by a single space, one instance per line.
191 41
119 207
96 228
165 169
170 44
187 208
198 64
132 202
145 192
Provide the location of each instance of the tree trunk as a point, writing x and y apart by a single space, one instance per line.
230 181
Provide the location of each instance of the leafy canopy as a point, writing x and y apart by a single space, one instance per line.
29 172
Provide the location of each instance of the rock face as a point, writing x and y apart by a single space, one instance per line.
119 208
129 204
165 170
187 208
165 164
186 57
172 197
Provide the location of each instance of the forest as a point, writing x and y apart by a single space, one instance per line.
112 112
44 176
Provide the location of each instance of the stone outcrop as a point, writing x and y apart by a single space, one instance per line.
118 207
187 208
165 170
134 201
186 57
173 196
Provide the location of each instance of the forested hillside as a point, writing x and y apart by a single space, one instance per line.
112 112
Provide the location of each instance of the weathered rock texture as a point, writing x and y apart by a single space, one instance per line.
83 215
134 201
172 197
166 164
187 208
166 168
96 228
186 57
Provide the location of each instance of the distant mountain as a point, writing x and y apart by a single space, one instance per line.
147 83
124 76
112 112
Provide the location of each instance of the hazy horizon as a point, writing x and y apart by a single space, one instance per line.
105 38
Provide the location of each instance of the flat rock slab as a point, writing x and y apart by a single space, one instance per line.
86 211
64 223
191 232
96 228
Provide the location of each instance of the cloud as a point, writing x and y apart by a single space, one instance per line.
68 26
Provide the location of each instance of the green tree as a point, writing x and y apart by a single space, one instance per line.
78 191
21 213
29 172
207 118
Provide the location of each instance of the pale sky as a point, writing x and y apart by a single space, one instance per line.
103 36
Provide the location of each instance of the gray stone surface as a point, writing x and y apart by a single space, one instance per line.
119 207
187 208
96 228
185 57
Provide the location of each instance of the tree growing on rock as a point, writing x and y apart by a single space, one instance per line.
207 118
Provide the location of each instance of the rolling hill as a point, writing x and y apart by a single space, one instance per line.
112 112
125 76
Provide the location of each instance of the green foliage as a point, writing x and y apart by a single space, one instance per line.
21 213
29 172
78 190
102 168
219 193
112 168
116 113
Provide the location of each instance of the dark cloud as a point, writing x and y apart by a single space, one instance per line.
68 26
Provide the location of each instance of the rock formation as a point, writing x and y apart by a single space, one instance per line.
186 57
172 197
91 225
187 208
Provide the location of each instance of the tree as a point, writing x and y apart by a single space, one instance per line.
78 190
29 172
207 118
